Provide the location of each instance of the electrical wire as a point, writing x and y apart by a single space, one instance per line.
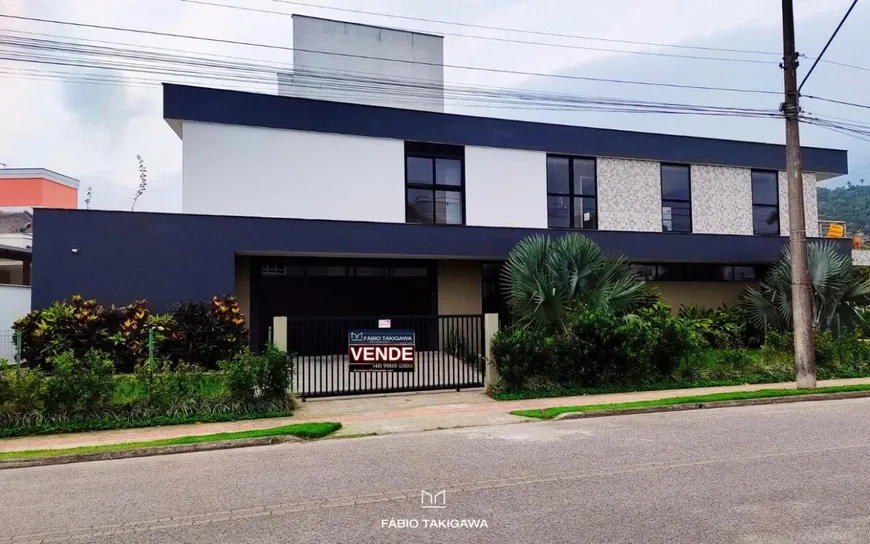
825 48
525 42
239 72
472 68
522 31
833 101
504 29
336 84
849 129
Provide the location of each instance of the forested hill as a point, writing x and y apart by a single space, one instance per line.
850 203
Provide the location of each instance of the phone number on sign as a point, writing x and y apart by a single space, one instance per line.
382 366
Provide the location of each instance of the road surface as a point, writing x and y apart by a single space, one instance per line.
771 474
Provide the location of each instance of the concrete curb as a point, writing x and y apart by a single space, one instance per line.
147 451
716 404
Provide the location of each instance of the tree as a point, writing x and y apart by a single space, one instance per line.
839 291
850 203
545 281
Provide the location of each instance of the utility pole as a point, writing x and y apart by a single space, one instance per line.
801 296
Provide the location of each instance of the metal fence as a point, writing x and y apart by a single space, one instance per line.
449 355
8 348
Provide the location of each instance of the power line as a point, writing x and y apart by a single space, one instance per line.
831 100
852 131
525 42
77 55
522 31
825 48
384 59
502 29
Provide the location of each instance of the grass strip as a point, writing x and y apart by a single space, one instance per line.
570 391
80 426
307 431
550 413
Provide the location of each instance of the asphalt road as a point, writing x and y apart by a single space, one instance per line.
771 474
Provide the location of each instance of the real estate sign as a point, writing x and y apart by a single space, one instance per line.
384 350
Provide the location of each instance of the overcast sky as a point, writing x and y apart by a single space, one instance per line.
93 132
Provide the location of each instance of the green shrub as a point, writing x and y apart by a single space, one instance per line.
836 355
665 339
77 326
251 376
22 390
598 349
839 291
79 384
519 356
547 281
196 332
172 388
723 327
205 334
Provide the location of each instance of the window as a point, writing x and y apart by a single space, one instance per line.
434 184
278 270
409 272
571 193
699 272
742 273
370 271
765 203
325 271
676 198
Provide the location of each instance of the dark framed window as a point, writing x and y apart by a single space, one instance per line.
676 198
371 271
699 272
765 203
435 184
572 193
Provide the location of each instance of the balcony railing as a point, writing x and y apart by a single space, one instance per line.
838 229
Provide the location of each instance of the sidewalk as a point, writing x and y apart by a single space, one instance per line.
385 414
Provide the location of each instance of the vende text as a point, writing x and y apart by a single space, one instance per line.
378 354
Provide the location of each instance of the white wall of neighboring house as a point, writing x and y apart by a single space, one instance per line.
14 303
22 240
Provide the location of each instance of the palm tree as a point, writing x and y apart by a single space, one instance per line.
839 291
546 281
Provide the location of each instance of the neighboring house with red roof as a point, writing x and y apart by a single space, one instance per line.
22 190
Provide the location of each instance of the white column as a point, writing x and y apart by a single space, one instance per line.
279 332
490 327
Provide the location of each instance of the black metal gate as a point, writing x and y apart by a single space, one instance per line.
449 355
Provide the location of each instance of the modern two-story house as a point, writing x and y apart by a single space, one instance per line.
303 207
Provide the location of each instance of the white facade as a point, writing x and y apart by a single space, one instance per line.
505 187
349 62
261 172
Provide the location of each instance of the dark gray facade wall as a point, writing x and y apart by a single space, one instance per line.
122 257
170 258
